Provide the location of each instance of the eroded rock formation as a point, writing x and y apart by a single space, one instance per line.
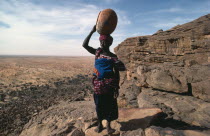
170 70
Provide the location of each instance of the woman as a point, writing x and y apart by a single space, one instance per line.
105 80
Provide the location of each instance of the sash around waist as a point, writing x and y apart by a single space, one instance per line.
106 75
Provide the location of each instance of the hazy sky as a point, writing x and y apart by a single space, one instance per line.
58 27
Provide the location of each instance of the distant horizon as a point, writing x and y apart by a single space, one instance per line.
41 56
58 28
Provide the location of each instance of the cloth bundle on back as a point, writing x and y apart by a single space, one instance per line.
104 80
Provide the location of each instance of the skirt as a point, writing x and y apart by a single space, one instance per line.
106 106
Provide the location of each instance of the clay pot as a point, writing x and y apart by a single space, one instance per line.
106 22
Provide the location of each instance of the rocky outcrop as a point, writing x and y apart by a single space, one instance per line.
175 67
79 118
158 131
130 122
66 118
188 109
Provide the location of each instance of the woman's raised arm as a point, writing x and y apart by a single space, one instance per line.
86 42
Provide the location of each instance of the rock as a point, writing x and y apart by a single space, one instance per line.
190 63
141 70
137 113
134 118
2 97
76 132
138 132
78 118
163 80
62 119
130 92
131 121
159 31
201 90
91 132
185 108
174 67
152 132
158 131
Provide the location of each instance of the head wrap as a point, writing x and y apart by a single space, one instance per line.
105 37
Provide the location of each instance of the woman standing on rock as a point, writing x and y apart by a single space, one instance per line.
105 80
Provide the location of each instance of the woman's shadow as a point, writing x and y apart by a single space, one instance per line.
159 120
134 124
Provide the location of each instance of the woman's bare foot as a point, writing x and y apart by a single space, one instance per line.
109 129
99 128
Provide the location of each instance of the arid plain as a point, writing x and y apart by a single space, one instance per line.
17 71
29 84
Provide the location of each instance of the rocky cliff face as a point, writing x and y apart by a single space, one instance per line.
170 70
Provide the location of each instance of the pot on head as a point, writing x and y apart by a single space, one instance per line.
106 22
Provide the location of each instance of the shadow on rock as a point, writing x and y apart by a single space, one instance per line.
135 124
176 124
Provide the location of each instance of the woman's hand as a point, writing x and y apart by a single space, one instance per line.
94 29
86 42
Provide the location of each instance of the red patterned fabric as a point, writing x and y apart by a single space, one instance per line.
105 37
103 86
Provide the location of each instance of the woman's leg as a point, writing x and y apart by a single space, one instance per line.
99 127
99 112
108 127
112 109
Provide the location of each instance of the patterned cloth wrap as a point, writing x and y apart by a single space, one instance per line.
105 37
104 80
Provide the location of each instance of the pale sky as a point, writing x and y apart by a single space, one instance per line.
58 27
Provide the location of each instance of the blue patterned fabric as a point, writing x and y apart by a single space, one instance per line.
104 68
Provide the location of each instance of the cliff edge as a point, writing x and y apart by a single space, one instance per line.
170 70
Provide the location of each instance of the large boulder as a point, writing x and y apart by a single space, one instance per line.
130 92
193 81
134 118
91 132
185 108
163 80
158 131
201 90
137 132
66 118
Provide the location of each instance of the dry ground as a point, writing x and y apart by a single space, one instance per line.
31 84
16 71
